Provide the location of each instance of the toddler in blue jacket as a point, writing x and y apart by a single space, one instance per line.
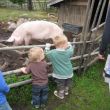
4 105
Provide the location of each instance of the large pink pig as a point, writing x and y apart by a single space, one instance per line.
34 30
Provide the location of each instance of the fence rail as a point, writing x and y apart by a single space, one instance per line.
28 81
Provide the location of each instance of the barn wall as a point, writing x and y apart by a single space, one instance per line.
72 13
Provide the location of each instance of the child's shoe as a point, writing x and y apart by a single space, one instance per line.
59 95
35 106
43 105
66 90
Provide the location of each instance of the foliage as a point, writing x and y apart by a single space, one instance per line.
7 14
20 2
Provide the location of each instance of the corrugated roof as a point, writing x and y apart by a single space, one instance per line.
52 2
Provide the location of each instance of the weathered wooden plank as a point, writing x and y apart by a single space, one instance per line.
78 3
52 2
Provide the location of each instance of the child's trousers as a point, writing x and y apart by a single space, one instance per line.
63 85
39 94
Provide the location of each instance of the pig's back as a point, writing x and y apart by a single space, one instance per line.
43 29
37 30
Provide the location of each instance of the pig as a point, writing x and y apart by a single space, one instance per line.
34 30
12 25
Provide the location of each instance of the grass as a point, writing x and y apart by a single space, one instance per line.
13 14
89 92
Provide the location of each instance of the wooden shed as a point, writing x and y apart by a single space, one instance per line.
74 11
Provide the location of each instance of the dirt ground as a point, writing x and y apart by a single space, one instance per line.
9 60
12 59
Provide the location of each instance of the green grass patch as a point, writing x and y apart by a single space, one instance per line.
89 92
13 14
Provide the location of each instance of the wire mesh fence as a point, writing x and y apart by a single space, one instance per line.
37 5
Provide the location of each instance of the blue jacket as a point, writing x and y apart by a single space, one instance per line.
3 89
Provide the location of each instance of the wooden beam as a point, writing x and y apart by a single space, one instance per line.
30 46
53 2
73 58
28 81
78 3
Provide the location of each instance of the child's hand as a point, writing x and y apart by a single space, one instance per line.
69 44
23 69
101 57
48 45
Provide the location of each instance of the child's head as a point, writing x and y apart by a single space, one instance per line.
36 54
60 41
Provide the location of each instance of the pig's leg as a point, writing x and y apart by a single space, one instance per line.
16 43
27 40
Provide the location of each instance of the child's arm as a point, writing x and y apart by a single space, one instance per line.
3 85
47 50
47 47
70 49
26 69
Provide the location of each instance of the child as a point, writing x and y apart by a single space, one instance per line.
38 68
62 67
4 105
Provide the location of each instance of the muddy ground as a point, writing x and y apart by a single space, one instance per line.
9 60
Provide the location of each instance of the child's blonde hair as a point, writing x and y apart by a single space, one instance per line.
35 54
60 40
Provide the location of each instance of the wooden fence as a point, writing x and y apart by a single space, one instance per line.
77 57
86 48
49 63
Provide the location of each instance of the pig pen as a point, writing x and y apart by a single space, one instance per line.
9 60
14 57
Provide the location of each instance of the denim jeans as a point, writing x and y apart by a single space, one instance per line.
5 106
39 94
63 83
